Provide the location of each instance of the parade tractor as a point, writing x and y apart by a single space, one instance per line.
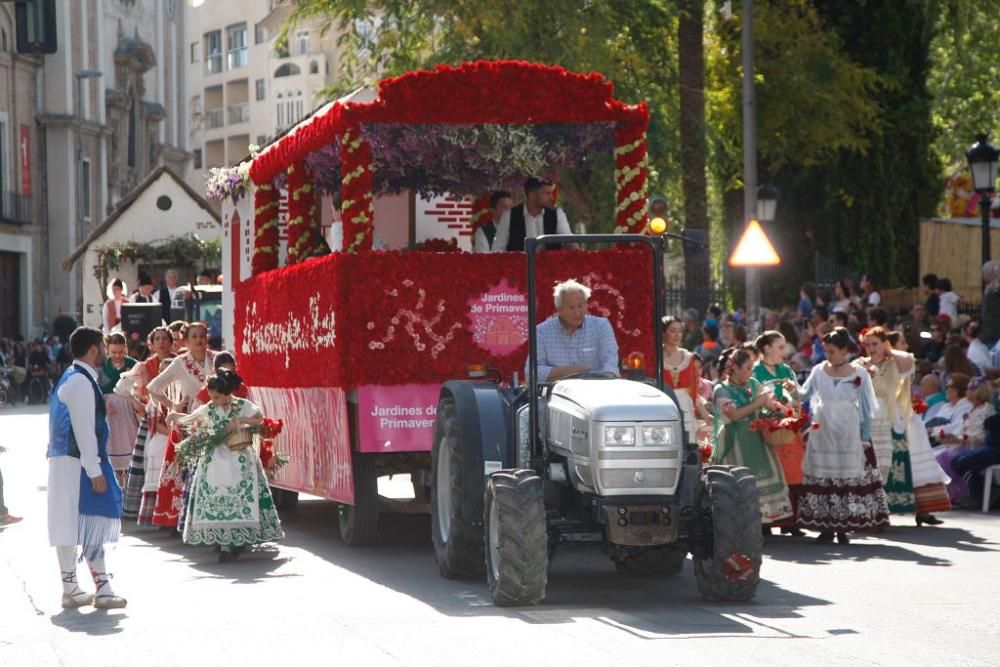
518 472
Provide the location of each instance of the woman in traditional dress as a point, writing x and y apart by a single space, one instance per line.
738 400
112 310
890 372
176 389
930 492
147 449
122 423
681 372
132 386
771 371
971 435
230 505
841 487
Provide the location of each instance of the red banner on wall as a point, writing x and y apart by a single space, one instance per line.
393 318
24 158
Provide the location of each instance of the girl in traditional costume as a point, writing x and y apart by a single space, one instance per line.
230 504
681 372
176 389
841 487
890 372
930 491
771 371
147 448
122 423
738 400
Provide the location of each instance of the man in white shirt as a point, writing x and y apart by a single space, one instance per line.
84 499
535 217
168 292
977 353
500 203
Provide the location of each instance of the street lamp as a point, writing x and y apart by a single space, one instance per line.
767 202
982 159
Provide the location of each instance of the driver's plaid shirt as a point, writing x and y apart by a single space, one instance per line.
592 345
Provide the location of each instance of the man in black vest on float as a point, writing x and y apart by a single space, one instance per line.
500 203
536 216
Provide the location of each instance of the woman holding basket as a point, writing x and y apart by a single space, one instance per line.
738 400
230 505
772 371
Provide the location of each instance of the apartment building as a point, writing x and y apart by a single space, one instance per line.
241 90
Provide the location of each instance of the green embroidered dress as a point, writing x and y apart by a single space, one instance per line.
230 503
737 445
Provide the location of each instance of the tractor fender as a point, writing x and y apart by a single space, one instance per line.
483 417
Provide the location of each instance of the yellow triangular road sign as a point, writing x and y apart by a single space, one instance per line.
754 249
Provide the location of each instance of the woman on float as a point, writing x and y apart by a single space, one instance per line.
738 400
890 371
930 491
176 389
139 497
772 371
230 503
681 372
841 488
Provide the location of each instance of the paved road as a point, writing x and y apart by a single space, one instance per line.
911 596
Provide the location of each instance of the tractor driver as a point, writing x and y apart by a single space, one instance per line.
571 341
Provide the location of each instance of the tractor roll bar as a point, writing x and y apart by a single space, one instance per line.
531 245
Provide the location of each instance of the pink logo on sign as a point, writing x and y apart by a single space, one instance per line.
499 319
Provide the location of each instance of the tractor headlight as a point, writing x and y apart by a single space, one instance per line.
619 435
657 435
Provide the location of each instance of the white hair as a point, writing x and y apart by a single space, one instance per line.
566 287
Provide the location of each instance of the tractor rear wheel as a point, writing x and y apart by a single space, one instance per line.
517 549
729 496
359 522
653 562
458 544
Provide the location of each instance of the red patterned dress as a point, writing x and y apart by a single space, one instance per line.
683 378
181 381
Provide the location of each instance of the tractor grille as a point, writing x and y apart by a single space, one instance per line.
638 478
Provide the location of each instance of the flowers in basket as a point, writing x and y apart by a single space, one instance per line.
919 405
199 441
705 449
782 430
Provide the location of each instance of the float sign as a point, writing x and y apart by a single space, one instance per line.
397 418
499 319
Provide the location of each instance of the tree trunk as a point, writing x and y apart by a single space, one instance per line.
691 67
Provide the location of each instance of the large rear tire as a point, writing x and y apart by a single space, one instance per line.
732 573
458 544
653 562
359 522
517 549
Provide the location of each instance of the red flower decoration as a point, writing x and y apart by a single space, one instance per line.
857 381
920 406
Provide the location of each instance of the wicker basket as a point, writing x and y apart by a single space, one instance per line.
241 438
781 436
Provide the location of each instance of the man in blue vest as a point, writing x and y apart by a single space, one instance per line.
500 203
85 501
536 216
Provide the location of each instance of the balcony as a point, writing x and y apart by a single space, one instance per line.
15 209
239 113
215 118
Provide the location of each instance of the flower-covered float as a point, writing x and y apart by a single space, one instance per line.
350 347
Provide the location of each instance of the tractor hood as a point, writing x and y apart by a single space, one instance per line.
618 400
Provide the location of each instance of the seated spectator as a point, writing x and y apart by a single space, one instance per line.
930 392
955 360
971 435
949 418
877 317
973 463
978 353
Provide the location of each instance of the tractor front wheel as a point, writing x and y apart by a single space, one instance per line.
517 549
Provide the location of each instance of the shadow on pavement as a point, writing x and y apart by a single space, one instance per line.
254 565
94 622
583 585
